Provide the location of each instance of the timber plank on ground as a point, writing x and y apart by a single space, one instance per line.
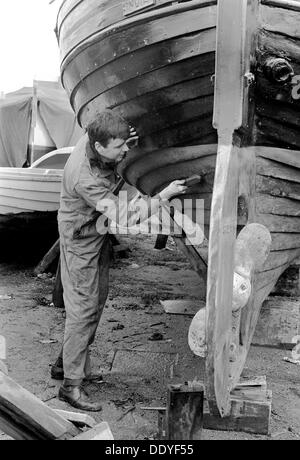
25 417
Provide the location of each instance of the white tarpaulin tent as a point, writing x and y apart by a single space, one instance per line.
40 116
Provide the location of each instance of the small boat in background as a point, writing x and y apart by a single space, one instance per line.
36 126
29 190
53 160
32 193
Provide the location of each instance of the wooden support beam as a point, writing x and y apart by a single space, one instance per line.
24 417
197 257
185 412
197 261
233 118
49 258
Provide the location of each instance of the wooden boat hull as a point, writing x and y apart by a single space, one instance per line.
155 68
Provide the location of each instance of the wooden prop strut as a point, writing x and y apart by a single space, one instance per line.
236 32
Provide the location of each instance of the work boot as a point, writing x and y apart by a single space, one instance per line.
78 398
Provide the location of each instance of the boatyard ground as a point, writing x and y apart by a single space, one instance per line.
139 347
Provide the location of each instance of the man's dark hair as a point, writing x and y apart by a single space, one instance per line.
106 126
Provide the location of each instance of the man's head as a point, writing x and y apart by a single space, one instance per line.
108 134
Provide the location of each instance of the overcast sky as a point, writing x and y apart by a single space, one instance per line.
28 45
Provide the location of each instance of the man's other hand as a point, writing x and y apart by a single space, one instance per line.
175 188
133 140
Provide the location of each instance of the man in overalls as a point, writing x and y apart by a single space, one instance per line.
87 192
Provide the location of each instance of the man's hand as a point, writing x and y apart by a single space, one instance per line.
133 132
175 188
133 140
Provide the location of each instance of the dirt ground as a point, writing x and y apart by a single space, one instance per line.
136 367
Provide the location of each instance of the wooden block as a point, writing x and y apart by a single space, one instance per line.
250 410
100 432
279 323
250 413
161 242
77 418
24 417
185 413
